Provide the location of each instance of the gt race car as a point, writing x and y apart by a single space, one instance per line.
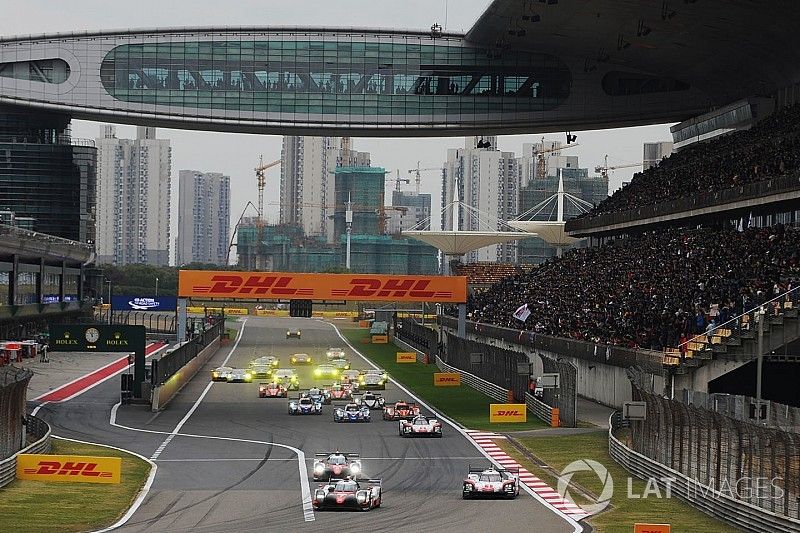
301 359
491 482
351 413
326 371
420 426
267 360
305 406
340 364
221 373
400 411
260 371
272 390
336 465
287 377
292 333
240 375
351 376
371 400
334 353
348 494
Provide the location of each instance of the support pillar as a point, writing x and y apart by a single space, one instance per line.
181 320
462 320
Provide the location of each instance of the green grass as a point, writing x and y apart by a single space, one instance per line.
558 451
463 404
41 507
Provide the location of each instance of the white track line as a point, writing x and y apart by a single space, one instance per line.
577 527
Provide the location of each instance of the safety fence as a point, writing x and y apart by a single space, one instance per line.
539 408
481 385
565 397
174 360
753 464
13 388
420 337
153 322
776 415
39 430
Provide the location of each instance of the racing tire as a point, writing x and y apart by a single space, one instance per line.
437 435
465 495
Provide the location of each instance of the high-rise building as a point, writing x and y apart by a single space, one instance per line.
414 211
307 180
487 180
653 153
47 179
544 159
204 205
364 187
133 198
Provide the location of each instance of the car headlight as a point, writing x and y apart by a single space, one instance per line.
355 469
361 497
319 469
468 487
335 372
288 332
292 405
317 372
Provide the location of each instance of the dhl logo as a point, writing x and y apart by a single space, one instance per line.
406 357
507 412
251 285
447 379
391 288
69 468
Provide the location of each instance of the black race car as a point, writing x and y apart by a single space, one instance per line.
336 465
348 495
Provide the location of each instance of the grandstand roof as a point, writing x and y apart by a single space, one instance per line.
461 242
552 232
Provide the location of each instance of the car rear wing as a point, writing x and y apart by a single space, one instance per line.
326 454
498 469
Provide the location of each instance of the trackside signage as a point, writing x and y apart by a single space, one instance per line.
349 287
144 303
500 413
71 468
446 379
652 528
406 357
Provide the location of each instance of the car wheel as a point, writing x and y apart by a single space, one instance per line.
465 495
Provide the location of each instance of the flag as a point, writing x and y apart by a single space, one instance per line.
522 313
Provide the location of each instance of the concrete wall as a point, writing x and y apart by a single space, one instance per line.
698 378
162 394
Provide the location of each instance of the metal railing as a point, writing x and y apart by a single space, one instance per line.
421 338
38 429
498 365
542 411
153 322
172 361
481 385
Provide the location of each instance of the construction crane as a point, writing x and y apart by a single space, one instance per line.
604 168
399 180
418 171
541 160
261 180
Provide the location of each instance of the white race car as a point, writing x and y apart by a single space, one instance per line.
240 375
420 426
497 482
371 400
373 380
334 353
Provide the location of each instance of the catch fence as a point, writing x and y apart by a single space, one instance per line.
13 388
418 336
171 362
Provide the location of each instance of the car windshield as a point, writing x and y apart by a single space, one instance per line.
305 401
420 422
284 373
313 392
401 406
352 407
336 387
490 478
369 396
273 385
337 460
346 486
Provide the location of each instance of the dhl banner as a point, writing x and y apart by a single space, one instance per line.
349 287
446 379
71 468
652 528
406 357
236 311
380 339
507 412
199 310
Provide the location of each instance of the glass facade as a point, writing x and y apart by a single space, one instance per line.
336 74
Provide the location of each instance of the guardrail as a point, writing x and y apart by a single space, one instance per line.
737 512
171 362
489 389
38 428
539 408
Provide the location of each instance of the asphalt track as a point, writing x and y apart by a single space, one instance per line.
237 482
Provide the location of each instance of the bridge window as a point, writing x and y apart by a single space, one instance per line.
42 70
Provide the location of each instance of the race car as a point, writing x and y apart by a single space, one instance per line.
334 353
371 400
260 371
491 481
373 380
301 359
348 494
240 375
351 376
400 411
221 373
288 377
350 386
351 413
318 395
339 392
292 333
268 360
272 390
305 406
336 465
326 371
421 426
340 364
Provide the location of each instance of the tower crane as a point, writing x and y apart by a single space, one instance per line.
604 168
261 181
418 172
541 159
399 180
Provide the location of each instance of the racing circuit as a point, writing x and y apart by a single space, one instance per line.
228 460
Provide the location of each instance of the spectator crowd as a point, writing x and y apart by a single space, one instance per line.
769 149
650 291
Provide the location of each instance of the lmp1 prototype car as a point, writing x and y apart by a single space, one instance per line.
371 400
421 426
292 333
336 465
351 413
497 482
272 390
221 373
318 395
301 359
240 375
338 391
334 353
305 406
400 411
348 494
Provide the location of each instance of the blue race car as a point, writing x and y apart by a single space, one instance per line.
351 413
305 406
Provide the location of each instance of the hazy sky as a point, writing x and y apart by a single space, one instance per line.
237 154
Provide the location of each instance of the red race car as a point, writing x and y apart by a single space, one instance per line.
272 390
339 392
400 411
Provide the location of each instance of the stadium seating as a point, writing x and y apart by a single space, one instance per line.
486 273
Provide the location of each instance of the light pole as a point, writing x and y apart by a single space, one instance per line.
109 300
156 286
760 315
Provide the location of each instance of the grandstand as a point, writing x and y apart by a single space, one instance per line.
484 274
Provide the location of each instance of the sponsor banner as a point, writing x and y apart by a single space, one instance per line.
405 357
195 310
446 379
71 468
380 339
349 287
271 312
97 338
237 311
507 412
144 303
652 528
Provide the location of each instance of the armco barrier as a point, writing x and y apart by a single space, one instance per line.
539 408
489 389
163 393
38 428
737 512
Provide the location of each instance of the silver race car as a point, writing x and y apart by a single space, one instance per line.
348 494
371 399
491 482
334 353
420 426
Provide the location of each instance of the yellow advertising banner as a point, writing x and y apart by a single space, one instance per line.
380 339
652 528
446 379
406 357
236 311
501 413
71 468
